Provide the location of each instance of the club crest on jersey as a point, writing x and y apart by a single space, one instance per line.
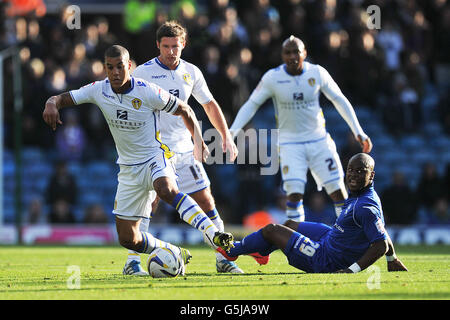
137 103
285 169
312 81
187 78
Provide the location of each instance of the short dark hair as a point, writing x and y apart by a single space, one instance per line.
117 51
171 29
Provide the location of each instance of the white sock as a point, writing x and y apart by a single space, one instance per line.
149 243
295 211
191 213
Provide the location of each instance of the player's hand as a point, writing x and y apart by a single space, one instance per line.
229 147
366 144
201 151
344 271
155 204
396 265
51 113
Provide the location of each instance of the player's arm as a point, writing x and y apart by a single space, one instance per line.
52 107
261 93
215 115
190 120
393 263
333 93
376 250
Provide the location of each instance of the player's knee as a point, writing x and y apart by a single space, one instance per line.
269 230
165 190
291 224
206 202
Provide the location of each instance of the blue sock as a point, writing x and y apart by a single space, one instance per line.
254 242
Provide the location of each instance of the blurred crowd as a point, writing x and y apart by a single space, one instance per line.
234 42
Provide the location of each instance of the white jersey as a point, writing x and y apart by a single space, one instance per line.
132 117
185 80
296 100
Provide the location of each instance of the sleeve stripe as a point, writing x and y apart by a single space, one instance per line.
173 107
169 104
73 98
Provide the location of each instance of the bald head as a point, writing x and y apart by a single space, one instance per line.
364 159
360 172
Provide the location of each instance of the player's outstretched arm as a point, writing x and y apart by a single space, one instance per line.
393 263
215 115
52 106
375 251
190 121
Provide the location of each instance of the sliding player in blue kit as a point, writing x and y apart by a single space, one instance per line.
355 242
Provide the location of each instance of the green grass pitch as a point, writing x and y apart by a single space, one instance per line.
45 272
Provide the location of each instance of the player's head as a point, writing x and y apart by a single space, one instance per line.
293 53
117 66
360 172
170 40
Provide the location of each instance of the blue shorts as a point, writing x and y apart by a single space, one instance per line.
305 251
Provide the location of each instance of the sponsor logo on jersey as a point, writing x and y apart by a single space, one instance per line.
140 83
162 76
187 78
312 81
284 81
298 96
108 96
137 103
122 114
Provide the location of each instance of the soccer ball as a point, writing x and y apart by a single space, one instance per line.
164 263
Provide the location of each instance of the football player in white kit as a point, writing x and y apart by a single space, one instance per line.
132 108
295 87
184 79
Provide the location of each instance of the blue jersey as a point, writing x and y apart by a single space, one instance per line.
319 248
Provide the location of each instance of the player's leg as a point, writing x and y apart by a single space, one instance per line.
131 237
132 207
327 170
132 265
206 202
312 230
193 180
190 212
293 172
264 241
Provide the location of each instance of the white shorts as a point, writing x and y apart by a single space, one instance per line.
192 176
135 192
320 156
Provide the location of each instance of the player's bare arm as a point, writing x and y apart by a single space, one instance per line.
215 115
52 106
393 263
375 252
190 120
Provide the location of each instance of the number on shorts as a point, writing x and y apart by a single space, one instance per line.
194 173
308 247
331 165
